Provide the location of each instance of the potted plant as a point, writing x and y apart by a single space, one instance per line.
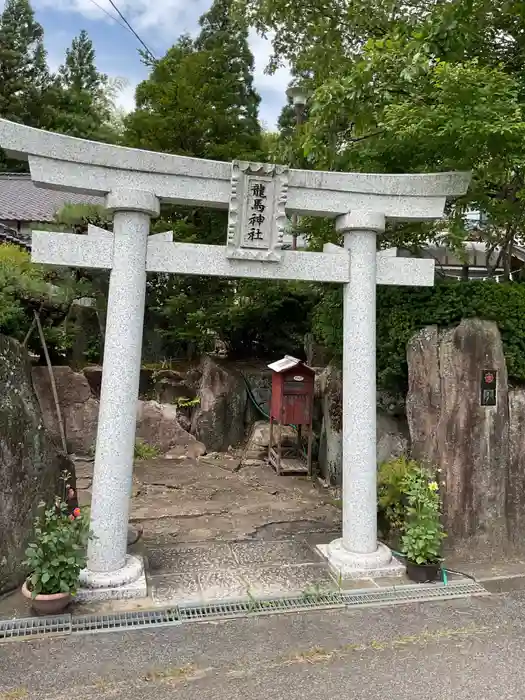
56 555
391 499
422 532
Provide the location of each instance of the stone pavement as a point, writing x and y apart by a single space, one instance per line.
218 528
222 528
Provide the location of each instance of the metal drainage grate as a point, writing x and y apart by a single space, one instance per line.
260 606
413 594
400 594
63 624
125 620
35 627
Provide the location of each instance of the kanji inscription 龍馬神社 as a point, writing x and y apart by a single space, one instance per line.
257 211
258 232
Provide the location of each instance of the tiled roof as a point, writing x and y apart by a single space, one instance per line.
20 200
10 235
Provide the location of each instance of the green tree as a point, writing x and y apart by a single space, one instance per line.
199 99
24 76
423 85
25 288
81 98
79 71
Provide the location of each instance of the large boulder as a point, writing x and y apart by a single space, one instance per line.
516 477
391 429
157 425
218 419
479 449
30 463
257 447
330 388
78 406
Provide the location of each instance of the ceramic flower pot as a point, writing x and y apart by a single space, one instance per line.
49 604
423 573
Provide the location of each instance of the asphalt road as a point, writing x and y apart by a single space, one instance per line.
459 650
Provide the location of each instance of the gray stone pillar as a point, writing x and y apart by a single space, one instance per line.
358 553
108 564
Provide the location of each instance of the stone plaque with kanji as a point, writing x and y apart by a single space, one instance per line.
257 216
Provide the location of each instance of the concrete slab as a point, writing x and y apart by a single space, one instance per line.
228 584
176 588
163 560
285 580
280 552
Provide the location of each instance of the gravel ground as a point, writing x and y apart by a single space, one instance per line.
462 650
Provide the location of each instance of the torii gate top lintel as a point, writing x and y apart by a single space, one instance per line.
67 163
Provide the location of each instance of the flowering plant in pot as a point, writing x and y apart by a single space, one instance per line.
422 532
57 554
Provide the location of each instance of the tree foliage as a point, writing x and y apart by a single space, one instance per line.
403 311
24 76
415 86
199 99
77 100
81 97
26 288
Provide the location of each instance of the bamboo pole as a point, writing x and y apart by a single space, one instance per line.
52 381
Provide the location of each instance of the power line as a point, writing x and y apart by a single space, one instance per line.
115 19
124 24
131 29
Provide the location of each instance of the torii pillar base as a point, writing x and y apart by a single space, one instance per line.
353 565
126 583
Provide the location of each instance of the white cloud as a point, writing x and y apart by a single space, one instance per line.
272 87
262 50
169 17
126 98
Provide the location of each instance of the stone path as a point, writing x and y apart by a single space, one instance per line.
217 529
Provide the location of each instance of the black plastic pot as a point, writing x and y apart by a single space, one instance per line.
423 573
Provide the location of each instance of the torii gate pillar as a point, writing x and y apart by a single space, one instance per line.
112 478
357 553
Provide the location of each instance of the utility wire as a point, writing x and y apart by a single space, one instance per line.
149 51
115 19
124 24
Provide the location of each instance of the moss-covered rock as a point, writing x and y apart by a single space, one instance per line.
30 463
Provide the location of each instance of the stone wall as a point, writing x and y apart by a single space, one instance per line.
30 462
218 420
479 449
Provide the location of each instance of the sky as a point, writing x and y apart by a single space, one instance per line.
159 23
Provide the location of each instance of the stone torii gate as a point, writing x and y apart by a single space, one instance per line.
258 197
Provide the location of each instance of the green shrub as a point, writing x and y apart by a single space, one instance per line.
145 451
409 509
391 503
402 311
59 549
